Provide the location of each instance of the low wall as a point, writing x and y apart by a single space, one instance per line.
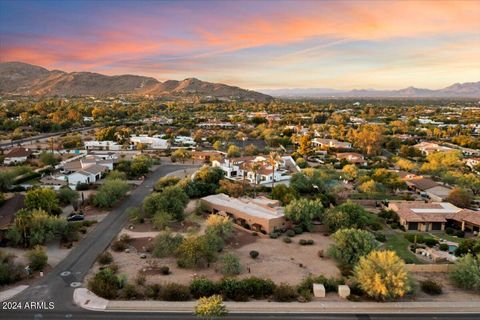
433 268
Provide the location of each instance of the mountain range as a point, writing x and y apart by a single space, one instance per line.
26 79
457 90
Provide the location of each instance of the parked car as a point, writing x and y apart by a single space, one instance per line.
76 216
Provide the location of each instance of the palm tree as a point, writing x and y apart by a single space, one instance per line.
254 167
273 159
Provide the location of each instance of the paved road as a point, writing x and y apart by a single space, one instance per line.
57 286
88 315
41 137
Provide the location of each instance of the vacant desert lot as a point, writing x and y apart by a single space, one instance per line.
278 261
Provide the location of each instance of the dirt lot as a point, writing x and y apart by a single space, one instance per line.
276 257
450 293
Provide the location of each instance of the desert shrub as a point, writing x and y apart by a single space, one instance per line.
130 292
443 246
274 235
175 292
284 293
37 258
431 287
302 242
380 237
233 289
414 237
254 254
203 287
152 291
166 244
290 233
105 284
310 242
298 230
449 231
110 192
119 245
10 272
466 273
460 233
165 270
430 242
287 240
258 288
229 264
320 253
105 258
141 278
382 275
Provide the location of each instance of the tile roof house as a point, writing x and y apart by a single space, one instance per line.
352 157
16 155
240 169
434 190
433 216
430 147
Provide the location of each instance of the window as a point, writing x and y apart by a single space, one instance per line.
413 226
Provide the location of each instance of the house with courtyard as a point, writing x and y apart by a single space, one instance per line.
259 214
257 169
434 216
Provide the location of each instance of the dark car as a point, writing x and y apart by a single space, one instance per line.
76 217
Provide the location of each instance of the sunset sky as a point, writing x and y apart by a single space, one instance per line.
253 44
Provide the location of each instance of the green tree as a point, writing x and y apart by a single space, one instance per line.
172 200
466 273
302 212
42 198
37 258
350 172
229 264
211 307
67 196
48 158
110 192
350 245
233 151
284 194
219 226
460 197
382 275
181 154
166 244
346 215
140 165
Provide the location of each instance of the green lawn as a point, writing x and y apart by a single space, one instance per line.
443 235
399 244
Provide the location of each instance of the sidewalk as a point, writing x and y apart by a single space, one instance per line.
88 300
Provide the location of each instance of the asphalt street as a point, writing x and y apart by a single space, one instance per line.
88 315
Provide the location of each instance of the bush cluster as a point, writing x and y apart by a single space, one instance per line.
304 242
431 287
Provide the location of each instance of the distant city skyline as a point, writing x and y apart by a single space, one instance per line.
252 44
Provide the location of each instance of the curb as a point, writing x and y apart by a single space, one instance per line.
10 293
88 300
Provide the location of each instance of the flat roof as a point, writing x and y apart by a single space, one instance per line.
247 205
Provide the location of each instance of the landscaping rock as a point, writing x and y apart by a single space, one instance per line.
318 290
143 256
343 291
127 250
